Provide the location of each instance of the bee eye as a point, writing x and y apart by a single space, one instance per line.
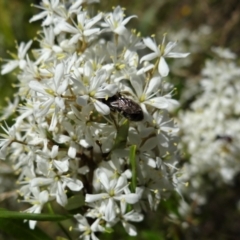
126 106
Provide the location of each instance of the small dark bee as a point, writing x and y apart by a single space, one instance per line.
127 107
226 138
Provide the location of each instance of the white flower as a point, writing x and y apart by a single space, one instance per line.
115 21
211 130
88 231
49 49
20 59
93 88
147 92
161 52
114 191
6 139
38 200
83 29
54 175
48 7
51 94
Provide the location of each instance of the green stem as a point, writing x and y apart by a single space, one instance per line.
50 209
132 158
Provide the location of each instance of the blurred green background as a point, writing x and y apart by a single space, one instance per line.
218 219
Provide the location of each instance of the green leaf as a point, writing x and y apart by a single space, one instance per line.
132 159
122 134
5 214
75 202
21 231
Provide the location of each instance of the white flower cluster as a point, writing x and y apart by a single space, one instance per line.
211 129
92 118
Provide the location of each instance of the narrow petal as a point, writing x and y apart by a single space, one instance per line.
76 185
61 166
61 196
60 102
153 85
177 55
101 107
158 102
25 48
38 16
8 67
151 44
58 74
37 86
131 198
134 216
163 67
126 20
149 57
129 228
110 213
169 47
82 100
95 197
103 179
38 182
92 31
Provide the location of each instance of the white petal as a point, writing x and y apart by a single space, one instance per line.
177 55
92 31
94 20
121 182
101 107
37 182
22 64
62 88
32 224
60 102
54 122
110 213
149 57
103 179
169 47
62 138
58 74
82 100
61 196
131 198
54 151
151 44
8 67
43 196
126 20
24 48
158 102
120 30
149 144
84 143
37 86
38 16
72 151
76 185
133 216
95 197
153 85
137 84
62 166
129 228
163 67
